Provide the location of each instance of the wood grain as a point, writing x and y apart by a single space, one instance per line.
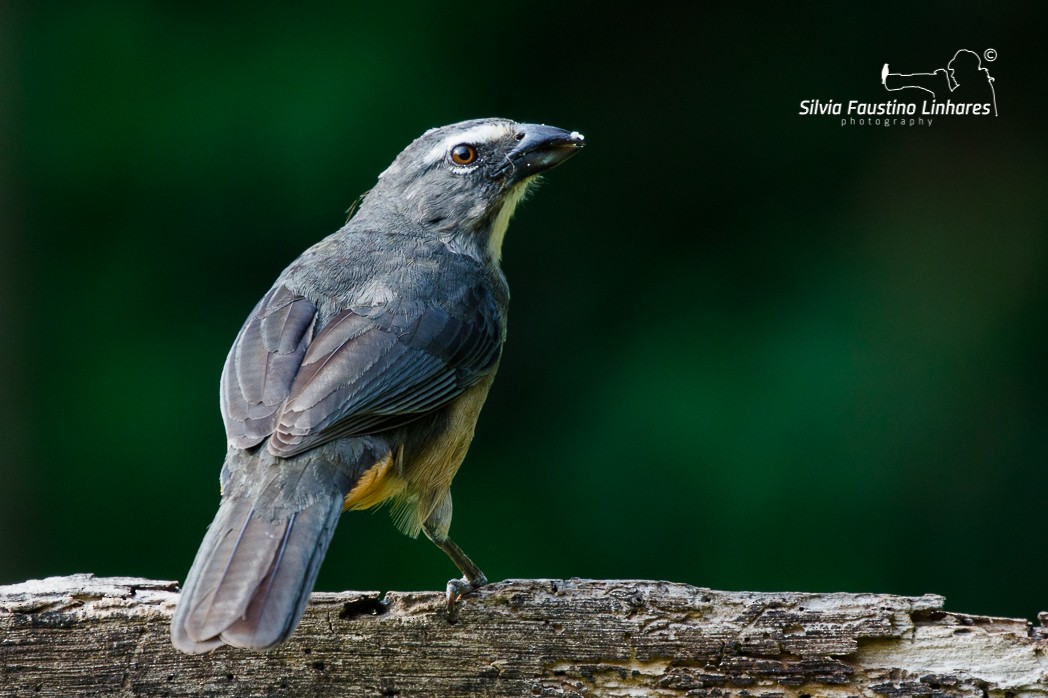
82 635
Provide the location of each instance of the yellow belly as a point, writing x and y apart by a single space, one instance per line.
418 475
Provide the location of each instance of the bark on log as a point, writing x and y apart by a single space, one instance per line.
81 635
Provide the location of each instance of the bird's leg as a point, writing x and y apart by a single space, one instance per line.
436 528
471 574
472 578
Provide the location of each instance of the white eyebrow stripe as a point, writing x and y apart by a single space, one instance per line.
485 133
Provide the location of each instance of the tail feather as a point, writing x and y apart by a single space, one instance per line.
219 588
280 601
251 579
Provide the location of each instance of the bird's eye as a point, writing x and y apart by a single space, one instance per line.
463 154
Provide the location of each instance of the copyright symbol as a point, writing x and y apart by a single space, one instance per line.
990 55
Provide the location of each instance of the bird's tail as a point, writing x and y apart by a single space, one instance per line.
253 574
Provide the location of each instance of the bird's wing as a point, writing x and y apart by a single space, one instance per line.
262 364
359 374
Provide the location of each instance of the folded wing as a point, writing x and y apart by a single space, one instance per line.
359 374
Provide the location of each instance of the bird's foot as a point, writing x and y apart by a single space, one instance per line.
458 588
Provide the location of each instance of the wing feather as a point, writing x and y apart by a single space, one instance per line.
358 374
262 365
355 382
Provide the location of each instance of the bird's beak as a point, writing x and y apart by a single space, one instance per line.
539 148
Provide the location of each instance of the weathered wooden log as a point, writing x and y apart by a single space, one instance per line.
81 635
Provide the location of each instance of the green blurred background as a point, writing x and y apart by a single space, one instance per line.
748 349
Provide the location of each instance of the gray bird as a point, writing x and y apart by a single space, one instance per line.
358 379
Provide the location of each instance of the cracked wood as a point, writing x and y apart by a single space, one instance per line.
82 635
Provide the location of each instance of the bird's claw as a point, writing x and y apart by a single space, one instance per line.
457 588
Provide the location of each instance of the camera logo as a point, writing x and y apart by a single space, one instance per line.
963 81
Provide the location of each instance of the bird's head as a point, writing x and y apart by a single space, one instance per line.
464 180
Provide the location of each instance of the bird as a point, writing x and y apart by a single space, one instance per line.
358 378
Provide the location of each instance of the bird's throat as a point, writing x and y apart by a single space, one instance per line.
501 222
